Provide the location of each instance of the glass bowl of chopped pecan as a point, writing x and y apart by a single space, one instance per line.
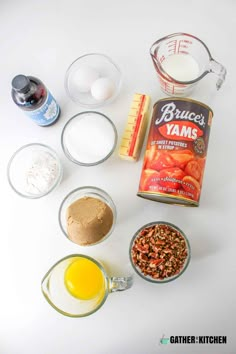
159 252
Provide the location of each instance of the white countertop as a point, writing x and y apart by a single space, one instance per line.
42 38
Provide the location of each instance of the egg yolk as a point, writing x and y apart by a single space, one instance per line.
84 279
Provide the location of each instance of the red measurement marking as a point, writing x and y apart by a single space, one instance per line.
137 126
183 52
167 86
172 46
171 43
183 43
162 58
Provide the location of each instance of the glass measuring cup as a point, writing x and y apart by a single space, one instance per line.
78 285
181 61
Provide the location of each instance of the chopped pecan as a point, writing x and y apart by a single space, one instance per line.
159 251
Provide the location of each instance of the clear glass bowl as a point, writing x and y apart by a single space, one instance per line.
22 160
87 191
88 143
168 279
104 66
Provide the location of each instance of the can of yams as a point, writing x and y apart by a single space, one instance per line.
176 152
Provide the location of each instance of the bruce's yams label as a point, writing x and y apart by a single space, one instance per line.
176 152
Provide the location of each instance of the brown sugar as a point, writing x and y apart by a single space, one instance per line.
89 220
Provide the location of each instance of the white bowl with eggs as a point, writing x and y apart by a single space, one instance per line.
93 80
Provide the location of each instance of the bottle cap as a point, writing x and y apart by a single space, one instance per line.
21 83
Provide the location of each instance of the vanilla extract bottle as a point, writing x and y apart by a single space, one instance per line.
32 96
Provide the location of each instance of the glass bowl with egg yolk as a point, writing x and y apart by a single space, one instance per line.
78 285
84 279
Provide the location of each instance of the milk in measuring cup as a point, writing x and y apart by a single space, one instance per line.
181 67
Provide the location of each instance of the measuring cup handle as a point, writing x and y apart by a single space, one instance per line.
219 70
120 283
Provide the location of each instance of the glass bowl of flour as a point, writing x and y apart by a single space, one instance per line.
89 138
34 171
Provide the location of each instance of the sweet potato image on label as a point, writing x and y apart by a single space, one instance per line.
193 169
181 157
149 157
171 178
149 177
161 160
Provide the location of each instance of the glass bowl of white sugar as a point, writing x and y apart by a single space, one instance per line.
34 170
89 138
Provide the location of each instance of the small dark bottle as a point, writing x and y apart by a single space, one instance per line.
31 95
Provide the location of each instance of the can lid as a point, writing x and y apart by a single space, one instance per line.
21 83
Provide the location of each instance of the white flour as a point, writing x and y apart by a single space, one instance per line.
43 173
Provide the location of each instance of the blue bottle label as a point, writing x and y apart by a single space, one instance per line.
47 113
